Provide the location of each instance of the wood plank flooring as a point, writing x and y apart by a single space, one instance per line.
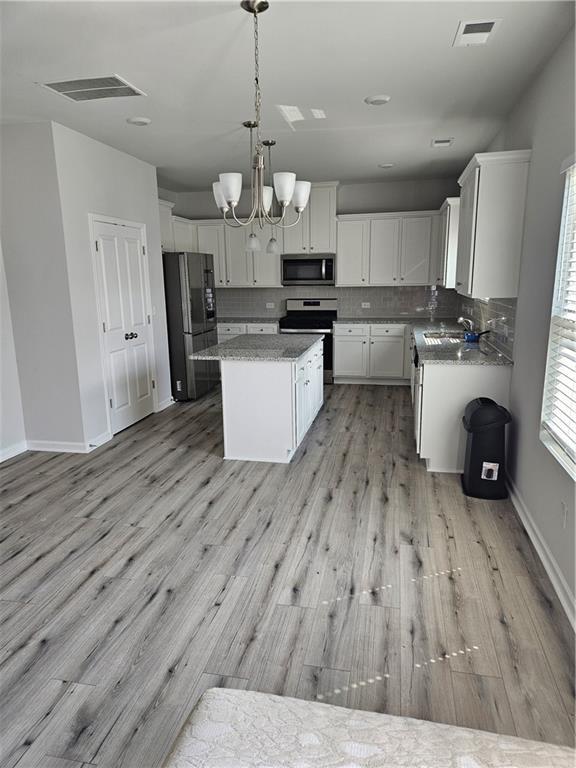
139 575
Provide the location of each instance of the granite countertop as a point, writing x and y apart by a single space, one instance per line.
270 320
450 353
254 347
403 319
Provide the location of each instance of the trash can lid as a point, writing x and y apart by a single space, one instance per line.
482 413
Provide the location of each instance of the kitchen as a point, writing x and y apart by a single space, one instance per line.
287 380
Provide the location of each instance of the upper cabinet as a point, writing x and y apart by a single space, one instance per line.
166 231
316 230
185 235
492 203
443 269
211 240
386 249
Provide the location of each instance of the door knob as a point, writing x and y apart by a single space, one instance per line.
127 336
134 335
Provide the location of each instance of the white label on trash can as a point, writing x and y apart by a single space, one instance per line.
489 470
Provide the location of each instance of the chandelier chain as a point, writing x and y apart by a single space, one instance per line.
257 91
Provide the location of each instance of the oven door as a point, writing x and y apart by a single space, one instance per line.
308 270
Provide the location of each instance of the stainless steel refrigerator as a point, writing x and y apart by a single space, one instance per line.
191 317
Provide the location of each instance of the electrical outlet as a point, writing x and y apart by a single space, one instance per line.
270 305
365 305
564 508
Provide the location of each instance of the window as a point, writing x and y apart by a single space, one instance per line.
559 402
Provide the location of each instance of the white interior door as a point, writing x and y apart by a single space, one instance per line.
127 330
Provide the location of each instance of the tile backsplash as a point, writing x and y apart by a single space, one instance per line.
409 301
499 315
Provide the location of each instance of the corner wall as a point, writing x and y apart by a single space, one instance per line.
543 120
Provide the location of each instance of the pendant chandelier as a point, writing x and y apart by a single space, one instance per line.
283 185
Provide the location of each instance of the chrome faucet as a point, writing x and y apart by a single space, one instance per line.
466 322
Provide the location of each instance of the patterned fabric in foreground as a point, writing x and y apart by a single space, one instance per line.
242 729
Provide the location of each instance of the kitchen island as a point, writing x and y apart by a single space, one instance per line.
272 390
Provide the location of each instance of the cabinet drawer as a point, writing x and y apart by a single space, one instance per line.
383 329
234 329
354 329
261 328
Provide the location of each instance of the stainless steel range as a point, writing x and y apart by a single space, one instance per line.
313 316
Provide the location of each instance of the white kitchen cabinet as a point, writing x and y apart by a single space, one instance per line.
353 251
443 267
309 389
386 357
211 240
492 202
265 267
441 395
238 260
384 251
267 328
316 231
351 356
415 250
166 230
185 235
386 248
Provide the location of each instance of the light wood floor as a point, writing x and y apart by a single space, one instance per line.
137 576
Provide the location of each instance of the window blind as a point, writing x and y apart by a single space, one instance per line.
559 401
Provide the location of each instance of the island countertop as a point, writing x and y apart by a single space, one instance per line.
255 347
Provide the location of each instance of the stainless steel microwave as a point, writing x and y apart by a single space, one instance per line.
303 269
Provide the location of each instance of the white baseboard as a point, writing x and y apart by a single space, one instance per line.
96 442
13 450
58 447
551 567
378 382
165 404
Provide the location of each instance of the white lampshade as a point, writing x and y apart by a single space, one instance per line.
273 247
284 186
267 193
253 244
219 196
301 195
231 187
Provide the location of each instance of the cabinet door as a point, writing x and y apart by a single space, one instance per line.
466 233
185 235
238 260
438 265
301 407
211 240
266 266
415 256
353 245
322 219
297 238
387 357
166 231
384 251
350 356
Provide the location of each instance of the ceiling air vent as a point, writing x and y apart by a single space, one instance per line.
475 32
439 143
87 89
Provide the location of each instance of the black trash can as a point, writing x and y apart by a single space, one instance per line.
485 463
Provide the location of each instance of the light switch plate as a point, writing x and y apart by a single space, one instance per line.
270 305
365 305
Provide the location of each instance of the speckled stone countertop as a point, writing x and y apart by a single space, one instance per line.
258 320
403 319
450 353
254 347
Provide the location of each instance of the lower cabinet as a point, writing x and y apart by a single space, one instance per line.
230 330
309 389
370 352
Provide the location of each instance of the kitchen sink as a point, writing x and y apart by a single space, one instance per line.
443 337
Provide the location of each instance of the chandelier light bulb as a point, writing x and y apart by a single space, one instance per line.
253 244
231 187
301 195
219 196
273 247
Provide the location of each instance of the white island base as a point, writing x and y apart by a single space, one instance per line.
268 405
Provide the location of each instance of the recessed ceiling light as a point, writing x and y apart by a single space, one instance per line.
440 143
385 166
141 121
377 101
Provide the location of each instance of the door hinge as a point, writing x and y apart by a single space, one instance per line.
104 327
96 246
144 250
110 402
153 384
148 316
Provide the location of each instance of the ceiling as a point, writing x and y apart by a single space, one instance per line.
194 60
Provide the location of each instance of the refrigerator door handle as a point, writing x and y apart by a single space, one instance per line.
185 293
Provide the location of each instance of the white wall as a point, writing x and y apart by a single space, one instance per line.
373 197
36 274
95 178
12 432
543 119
